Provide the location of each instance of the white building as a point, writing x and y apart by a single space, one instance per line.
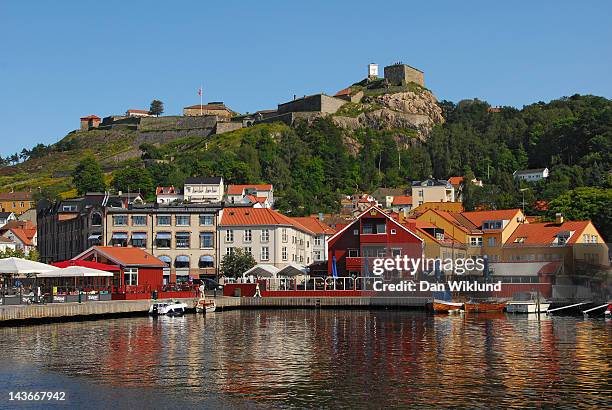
432 190
322 232
168 195
203 189
6 244
5 217
256 193
271 237
531 175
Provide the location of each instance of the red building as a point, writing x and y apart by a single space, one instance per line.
137 267
373 234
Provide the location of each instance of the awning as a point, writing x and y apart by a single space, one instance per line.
164 235
206 258
182 258
120 235
94 237
262 270
75 272
165 259
183 234
139 235
293 270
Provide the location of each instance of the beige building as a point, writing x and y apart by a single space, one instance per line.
217 108
271 237
203 189
183 236
432 190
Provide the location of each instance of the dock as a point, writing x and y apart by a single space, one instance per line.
52 312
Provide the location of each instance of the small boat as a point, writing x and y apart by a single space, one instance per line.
608 312
444 306
168 308
476 307
205 306
528 306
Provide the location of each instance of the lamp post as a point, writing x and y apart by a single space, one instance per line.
523 193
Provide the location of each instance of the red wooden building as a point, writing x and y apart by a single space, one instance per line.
373 234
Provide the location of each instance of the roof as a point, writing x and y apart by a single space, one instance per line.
125 256
16 196
478 217
529 171
138 111
26 236
210 106
455 180
87 264
203 180
90 117
315 225
402 200
5 214
344 91
238 189
167 190
455 218
258 216
5 240
256 199
431 182
545 233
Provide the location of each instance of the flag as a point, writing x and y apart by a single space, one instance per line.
200 91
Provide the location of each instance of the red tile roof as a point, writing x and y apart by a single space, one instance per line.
257 216
166 190
402 200
138 111
455 180
545 233
478 217
313 224
238 189
128 256
15 196
344 91
90 117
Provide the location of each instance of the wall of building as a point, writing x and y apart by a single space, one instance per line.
438 193
402 74
313 103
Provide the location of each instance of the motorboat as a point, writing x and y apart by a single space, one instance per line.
172 308
205 306
444 306
527 306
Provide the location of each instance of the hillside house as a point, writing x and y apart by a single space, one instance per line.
203 189
531 175
89 122
262 194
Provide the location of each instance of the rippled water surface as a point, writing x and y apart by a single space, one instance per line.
307 358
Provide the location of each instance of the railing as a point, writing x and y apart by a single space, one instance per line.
320 284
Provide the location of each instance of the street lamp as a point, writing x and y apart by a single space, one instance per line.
523 193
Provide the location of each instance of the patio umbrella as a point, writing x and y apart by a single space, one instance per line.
75 272
334 267
18 266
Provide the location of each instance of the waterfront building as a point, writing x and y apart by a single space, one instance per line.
322 232
182 235
271 237
373 234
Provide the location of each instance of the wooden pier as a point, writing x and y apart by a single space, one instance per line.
21 314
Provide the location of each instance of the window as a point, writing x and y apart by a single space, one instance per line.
229 250
353 253
22 204
181 262
229 235
119 239
368 229
248 250
396 252
476 241
492 242
163 240
163 220
183 220
206 261
139 220
420 203
317 255
284 253
265 253
69 208
207 220
183 239
307 244
120 220
355 231
248 235
520 239
317 241
206 240
130 276
393 231
439 236
375 228
265 235
284 235
96 219
420 192
139 239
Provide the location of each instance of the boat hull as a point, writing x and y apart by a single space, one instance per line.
527 307
484 307
442 306
205 307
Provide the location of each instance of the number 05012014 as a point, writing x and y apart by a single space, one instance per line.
37 396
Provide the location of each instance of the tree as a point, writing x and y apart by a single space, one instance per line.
88 177
157 108
133 179
236 263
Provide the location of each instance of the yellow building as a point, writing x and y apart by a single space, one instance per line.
16 202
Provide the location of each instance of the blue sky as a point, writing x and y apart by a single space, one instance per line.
63 60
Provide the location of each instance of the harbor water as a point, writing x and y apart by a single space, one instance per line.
312 358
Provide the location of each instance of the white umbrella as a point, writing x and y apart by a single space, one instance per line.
20 266
262 270
75 272
292 269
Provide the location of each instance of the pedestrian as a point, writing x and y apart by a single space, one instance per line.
202 289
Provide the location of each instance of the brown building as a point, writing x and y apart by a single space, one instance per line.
402 74
16 202
217 108
89 122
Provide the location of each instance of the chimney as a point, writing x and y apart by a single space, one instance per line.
559 218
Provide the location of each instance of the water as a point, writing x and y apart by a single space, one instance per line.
308 358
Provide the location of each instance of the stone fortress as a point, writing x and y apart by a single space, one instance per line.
217 118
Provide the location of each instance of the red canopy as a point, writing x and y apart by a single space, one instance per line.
88 264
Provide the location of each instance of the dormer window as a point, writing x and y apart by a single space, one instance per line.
492 225
520 239
440 236
563 237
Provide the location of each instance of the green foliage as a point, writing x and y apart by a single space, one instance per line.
88 176
586 203
157 108
236 263
134 179
19 253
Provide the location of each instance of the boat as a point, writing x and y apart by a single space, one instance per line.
527 306
444 306
485 306
205 306
608 312
172 308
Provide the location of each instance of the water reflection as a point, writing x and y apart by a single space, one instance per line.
330 358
